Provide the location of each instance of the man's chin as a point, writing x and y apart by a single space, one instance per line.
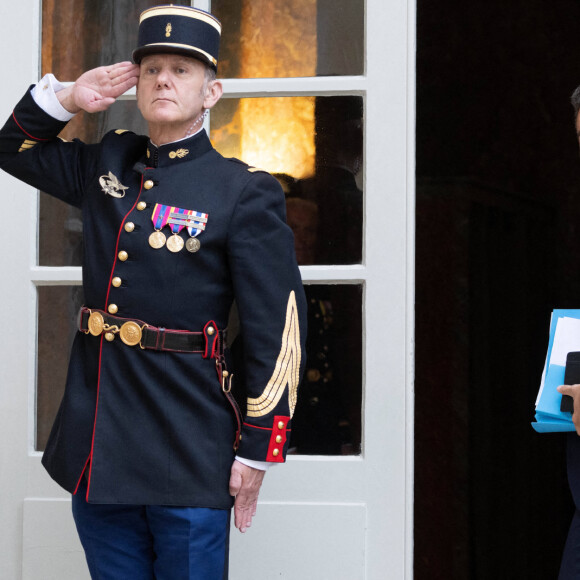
162 115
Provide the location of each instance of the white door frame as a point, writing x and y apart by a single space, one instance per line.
364 503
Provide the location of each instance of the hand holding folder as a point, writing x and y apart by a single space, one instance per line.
563 345
571 377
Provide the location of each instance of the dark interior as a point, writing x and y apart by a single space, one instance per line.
498 242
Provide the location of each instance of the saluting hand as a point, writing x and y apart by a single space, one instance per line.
245 483
574 392
97 89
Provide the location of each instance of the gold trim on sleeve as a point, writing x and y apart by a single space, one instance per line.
26 145
286 370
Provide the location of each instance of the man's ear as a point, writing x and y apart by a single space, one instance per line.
213 93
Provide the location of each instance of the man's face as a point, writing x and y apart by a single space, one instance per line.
172 91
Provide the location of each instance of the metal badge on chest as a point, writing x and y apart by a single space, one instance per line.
177 219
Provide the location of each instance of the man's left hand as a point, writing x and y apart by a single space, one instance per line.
245 483
574 392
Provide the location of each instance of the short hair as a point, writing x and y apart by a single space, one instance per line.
575 100
210 74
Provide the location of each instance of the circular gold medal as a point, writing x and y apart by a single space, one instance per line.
157 239
130 333
175 243
192 245
96 323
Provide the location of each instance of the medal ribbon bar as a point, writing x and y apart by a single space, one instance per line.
160 215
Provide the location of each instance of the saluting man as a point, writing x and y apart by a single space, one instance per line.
148 438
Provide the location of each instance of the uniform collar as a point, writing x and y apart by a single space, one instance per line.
178 151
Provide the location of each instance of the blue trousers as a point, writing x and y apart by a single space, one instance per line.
145 542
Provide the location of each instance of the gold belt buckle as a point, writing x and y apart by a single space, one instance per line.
130 333
96 323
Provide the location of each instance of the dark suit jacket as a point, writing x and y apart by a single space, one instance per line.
154 427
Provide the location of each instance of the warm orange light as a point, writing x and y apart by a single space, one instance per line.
277 134
277 39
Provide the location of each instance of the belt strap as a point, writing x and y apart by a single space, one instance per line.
96 322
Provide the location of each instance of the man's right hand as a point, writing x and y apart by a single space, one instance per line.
97 89
574 392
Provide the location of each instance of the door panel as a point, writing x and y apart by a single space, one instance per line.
331 545
53 556
340 516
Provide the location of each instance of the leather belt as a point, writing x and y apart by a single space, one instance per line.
136 332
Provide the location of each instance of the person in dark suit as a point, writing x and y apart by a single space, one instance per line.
148 439
570 566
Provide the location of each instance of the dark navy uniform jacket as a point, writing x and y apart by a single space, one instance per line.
152 427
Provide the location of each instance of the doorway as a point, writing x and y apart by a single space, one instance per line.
498 202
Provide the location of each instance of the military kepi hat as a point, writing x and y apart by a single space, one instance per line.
179 30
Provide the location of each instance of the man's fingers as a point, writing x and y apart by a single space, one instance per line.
121 68
244 511
245 485
569 389
119 79
126 72
573 391
123 87
97 89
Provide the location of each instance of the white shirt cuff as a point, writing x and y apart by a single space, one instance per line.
261 465
44 95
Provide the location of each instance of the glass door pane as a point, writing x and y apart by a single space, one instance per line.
290 38
58 308
313 145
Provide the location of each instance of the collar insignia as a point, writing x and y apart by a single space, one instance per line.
179 153
112 186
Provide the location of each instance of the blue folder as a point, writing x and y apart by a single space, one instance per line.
549 418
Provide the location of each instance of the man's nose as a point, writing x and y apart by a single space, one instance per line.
163 79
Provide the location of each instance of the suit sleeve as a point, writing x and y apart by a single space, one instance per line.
31 151
272 311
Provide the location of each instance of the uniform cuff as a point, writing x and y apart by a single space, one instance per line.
44 95
261 465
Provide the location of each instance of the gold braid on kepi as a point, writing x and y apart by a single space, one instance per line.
179 30
286 371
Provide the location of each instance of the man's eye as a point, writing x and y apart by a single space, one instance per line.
151 70
181 71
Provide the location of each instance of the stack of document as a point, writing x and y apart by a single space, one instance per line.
564 338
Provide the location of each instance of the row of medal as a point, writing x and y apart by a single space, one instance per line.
177 219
